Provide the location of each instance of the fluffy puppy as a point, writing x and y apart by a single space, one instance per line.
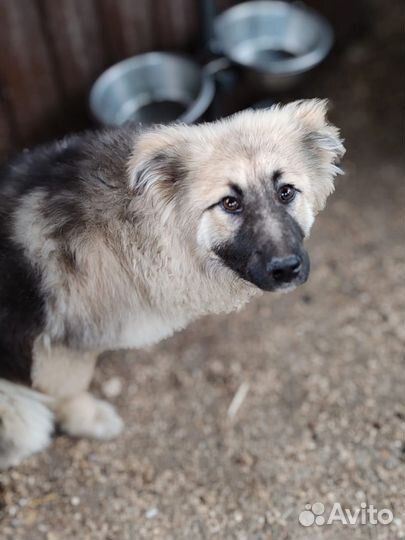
116 239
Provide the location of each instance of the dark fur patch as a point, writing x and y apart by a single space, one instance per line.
277 174
21 311
69 172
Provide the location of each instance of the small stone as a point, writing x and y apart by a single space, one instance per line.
237 517
75 501
112 387
151 513
13 510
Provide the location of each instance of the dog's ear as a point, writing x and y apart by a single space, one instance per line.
158 159
311 112
321 137
322 144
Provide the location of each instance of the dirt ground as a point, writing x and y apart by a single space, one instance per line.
324 413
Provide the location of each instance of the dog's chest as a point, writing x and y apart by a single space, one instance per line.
144 330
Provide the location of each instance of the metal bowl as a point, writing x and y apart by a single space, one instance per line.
151 88
280 40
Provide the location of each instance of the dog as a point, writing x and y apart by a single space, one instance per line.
118 238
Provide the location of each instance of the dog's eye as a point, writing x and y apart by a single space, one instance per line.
286 193
231 204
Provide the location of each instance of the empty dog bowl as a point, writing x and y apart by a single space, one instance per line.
280 40
151 88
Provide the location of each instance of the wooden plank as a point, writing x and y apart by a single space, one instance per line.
73 30
7 137
190 30
129 27
26 71
176 24
74 36
133 27
164 37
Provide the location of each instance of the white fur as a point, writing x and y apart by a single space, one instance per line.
26 423
61 372
144 329
86 416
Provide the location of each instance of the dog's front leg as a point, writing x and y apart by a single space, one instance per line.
65 374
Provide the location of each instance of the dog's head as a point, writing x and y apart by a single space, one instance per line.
243 192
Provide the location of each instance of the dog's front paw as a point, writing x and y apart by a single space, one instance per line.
86 416
26 423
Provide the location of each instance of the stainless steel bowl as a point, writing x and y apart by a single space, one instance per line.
277 39
151 88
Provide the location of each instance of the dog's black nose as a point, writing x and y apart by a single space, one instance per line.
284 270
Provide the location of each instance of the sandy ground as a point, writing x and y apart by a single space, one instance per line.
323 418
